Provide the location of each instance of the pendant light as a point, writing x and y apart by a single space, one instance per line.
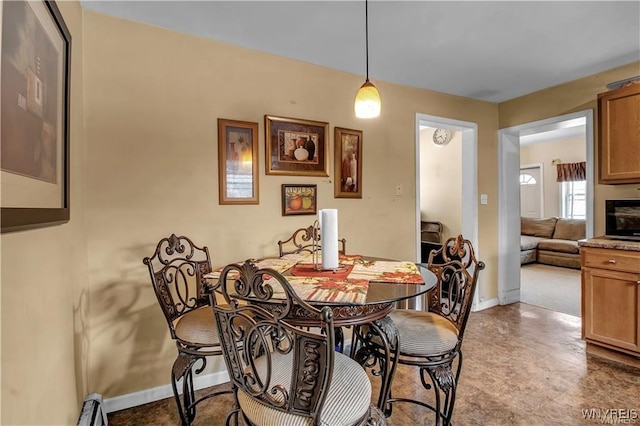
367 104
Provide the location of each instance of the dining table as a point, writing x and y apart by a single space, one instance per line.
361 292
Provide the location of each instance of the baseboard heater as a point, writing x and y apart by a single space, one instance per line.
92 413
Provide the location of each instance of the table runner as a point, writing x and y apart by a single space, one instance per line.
352 289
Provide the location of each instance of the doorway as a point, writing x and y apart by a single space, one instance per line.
469 185
509 140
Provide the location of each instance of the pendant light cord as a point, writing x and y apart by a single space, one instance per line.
366 29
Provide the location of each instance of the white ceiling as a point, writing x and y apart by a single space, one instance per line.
493 51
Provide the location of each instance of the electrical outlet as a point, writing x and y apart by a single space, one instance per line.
398 189
484 199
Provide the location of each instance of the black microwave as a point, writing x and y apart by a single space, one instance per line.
623 219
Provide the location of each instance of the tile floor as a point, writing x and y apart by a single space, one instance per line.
523 365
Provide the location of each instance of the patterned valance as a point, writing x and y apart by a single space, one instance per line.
571 172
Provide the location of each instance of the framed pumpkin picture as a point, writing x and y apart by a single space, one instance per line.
348 163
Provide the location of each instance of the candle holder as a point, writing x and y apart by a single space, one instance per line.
316 246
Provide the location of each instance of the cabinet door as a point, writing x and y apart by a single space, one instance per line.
610 311
619 141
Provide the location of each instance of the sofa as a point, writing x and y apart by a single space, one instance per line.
551 241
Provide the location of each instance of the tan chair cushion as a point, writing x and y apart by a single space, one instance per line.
528 242
570 229
424 333
347 401
538 227
198 327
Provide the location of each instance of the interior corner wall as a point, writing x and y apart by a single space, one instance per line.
152 98
44 288
577 95
568 150
441 182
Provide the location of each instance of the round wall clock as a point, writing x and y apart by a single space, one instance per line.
442 136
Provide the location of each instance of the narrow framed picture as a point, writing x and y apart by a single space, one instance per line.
296 147
299 199
348 163
34 81
237 162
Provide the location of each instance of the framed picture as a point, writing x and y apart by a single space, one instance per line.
296 147
34 116
299 199
348 163
237 162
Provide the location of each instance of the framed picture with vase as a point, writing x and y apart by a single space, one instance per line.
296 147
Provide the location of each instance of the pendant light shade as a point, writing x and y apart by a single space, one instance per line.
367 104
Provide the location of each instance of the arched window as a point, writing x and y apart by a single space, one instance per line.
527 179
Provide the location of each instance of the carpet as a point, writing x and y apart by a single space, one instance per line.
551 287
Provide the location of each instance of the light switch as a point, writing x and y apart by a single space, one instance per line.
484 199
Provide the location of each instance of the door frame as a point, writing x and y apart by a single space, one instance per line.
509 197
540 167
469 133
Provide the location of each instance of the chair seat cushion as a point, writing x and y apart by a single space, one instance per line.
348 398
198 327
424 333
529 243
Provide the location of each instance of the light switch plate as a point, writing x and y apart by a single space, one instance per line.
484 199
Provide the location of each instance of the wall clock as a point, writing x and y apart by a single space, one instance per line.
442 136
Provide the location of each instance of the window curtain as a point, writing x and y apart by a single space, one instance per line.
571 172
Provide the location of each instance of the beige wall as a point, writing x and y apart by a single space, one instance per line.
571 97
145 165
441 182
152 98
568 150
44 289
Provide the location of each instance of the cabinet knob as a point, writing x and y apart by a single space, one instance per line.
612 261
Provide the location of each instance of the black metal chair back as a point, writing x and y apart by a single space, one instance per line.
251 312
301 241
177 270
457 269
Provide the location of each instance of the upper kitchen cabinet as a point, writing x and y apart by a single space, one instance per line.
619 141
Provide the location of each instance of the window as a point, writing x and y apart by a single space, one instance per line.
573 199
526 179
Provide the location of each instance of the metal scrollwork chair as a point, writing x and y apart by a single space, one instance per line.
282 374
432 340
177 269
301 241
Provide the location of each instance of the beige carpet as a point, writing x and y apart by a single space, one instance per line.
551 287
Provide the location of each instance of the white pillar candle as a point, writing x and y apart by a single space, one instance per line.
329 238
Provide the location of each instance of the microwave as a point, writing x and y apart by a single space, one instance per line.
622 219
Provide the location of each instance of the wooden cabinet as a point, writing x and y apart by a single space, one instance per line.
611 299
619 135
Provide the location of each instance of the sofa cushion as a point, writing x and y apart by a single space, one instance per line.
538 227
570 229
529 243
564 246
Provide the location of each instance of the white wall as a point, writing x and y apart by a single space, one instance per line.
567 150
441 182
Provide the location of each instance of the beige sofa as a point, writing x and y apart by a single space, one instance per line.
551 241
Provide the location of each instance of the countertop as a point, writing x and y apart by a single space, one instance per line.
608 243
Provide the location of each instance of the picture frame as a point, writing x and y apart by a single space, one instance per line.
347 163
34 116
238 181
299 199
296 147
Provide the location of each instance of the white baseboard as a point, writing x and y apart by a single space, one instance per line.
486 304
161 392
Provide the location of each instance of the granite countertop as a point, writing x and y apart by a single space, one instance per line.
609 243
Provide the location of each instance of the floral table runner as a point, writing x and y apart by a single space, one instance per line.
352 289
